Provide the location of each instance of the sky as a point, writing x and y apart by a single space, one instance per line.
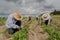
28 6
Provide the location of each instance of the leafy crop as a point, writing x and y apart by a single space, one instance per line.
21 35
53 34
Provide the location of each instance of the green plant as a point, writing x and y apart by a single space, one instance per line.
21 35
2 21
54 34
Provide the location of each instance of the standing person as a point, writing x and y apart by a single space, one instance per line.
14 23
46 18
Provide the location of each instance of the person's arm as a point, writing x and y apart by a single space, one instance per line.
21 24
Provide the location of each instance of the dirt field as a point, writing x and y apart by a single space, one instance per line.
3 36
36 31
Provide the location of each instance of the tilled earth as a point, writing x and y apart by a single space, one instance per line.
36 32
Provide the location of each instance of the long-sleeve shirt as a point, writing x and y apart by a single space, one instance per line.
10 23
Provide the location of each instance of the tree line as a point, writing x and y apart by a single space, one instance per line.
55 12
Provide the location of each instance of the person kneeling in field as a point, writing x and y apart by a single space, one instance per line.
46 18
14 23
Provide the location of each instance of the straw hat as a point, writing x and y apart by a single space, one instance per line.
45 16
17 16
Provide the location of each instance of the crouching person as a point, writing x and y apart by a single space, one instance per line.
46 18
14 23
29 18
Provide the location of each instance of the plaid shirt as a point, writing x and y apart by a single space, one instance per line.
10 23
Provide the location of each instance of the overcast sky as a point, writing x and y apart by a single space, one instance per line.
28 6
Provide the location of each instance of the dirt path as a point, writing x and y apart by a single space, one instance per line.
36 32
3 36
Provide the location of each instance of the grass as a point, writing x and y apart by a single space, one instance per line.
56 21
2 21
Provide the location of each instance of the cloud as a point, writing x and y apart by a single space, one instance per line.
48 6
28 6
40 0
56 4
12 0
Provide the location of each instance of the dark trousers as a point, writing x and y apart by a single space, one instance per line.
46 21
29 19
13 30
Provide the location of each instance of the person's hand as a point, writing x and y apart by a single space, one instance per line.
19 27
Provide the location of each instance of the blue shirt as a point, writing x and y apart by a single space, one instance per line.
10 23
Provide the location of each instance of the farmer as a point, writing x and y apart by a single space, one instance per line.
14 23
37 18
46 18
29 18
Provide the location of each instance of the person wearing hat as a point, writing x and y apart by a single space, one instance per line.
14 23
46 18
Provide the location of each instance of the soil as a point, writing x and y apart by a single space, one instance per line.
36 32
3 36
